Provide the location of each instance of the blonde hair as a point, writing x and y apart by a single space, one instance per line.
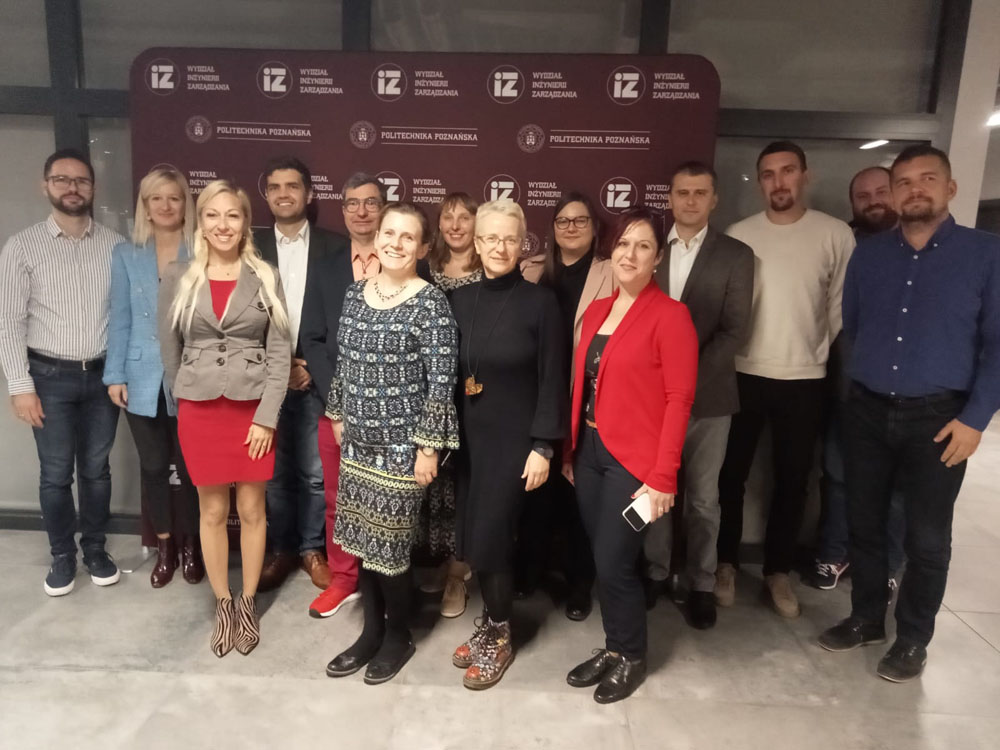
194 278
505 207
150 183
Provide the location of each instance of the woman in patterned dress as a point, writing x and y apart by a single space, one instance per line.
392 407
454 263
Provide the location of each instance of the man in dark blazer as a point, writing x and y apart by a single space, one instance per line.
713 275
296 506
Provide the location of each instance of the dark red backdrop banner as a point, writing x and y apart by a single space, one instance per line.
520 126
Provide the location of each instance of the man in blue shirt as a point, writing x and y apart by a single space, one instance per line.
922 304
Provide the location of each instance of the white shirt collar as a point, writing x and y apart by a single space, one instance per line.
692 244
301 236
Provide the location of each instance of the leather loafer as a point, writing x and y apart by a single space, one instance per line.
315 564
591 671
348 663
383 671
701 610
850 634
276 570
902 662
624 679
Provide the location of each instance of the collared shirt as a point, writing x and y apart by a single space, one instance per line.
365 266
682 255
293 263
54 293
927 321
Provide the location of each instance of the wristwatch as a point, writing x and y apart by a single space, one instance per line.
427 450
543 449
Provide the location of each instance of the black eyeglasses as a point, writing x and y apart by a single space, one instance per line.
580 222
351 205
62 181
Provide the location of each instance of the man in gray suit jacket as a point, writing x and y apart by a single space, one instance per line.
713 275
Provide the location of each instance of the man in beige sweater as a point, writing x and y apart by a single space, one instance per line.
801 256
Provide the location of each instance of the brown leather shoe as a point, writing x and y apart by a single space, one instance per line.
166 562
192 566
276 569
315 564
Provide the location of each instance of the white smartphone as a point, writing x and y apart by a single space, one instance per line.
638 513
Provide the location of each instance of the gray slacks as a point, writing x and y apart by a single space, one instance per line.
701 461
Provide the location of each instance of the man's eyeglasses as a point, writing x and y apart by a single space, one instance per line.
580 222
490 241
62 181
351 205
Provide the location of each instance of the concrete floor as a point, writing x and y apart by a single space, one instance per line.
129 667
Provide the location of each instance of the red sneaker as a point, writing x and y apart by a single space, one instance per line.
332 599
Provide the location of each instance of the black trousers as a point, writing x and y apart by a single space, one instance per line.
892 445
604 489
794 409
156 442
551 515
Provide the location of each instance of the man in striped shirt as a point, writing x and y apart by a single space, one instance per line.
55 279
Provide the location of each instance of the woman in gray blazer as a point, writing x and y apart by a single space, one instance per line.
133 368
226 354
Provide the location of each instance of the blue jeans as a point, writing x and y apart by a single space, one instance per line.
79 428
833 533
296 507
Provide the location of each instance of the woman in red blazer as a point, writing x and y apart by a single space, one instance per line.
634 379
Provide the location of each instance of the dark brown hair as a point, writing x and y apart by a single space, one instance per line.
440 252
553 258
638 215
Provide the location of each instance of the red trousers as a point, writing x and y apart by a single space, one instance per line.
343 567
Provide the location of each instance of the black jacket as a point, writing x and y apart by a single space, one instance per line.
719 296
328 275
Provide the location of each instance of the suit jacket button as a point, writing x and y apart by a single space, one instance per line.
220 334
184 359
220 361
222 347
259 357
260 305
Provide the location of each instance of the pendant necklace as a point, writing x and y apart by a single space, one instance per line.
388 297
473 388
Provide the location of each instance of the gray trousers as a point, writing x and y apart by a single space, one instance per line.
701 461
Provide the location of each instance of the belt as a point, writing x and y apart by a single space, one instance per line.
932 398
67 364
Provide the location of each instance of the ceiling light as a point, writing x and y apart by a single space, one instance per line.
994 120
873 144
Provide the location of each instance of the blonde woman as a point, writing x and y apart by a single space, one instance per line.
133 369
226 355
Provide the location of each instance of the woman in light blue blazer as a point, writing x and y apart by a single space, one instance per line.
133 369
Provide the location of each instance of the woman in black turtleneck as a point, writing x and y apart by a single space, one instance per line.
577 272
514 386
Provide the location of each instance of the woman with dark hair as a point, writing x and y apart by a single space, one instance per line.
392 407
453 263
634 380
578 273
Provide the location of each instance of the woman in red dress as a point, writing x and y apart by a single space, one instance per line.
226 357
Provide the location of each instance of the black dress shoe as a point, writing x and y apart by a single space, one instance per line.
654 590
591 671
623 680
354 658
851 633
380 671
701 610
902 662
578 605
